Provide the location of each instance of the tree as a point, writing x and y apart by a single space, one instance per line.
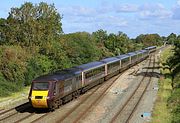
3 28
100 36
80 48
171 38
149 40
33 24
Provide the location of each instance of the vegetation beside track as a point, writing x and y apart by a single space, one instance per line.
15 98
161 112
174 64
167 107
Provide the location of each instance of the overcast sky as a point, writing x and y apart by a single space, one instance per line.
132 17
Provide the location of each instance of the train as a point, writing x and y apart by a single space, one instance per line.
52 90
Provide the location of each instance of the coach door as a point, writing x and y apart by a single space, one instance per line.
61 88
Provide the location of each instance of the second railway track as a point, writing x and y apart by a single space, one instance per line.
124 114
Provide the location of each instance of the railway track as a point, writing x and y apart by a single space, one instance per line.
21 114
124 114
6 114
80 111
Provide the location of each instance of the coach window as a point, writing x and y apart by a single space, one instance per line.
88 74
78 78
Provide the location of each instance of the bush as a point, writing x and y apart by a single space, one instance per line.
13 63
37 66
6 88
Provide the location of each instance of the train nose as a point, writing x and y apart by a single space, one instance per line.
39 99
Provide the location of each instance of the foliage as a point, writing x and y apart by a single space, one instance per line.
80 48
31 24
149 40
7 88
174 100
161 111
115 43
12 62
171 38
174 63
37 66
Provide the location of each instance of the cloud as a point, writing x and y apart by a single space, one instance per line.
105 9
176 11
77 11
88 19
154 11
129 18
178 2
126 8
90 24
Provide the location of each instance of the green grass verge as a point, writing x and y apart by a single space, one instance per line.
161 112
20 94
15 98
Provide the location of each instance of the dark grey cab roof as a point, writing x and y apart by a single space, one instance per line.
59 75
90 65
110 60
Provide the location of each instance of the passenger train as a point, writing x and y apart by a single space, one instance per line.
52 90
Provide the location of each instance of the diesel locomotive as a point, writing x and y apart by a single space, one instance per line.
53 90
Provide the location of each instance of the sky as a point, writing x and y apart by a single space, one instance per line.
133 17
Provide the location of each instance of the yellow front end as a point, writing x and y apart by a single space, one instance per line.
39 99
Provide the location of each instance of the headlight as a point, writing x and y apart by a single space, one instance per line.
46 97
31 97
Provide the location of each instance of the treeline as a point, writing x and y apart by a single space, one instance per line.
32 43
174 65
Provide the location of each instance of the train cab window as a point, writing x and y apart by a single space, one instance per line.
40 86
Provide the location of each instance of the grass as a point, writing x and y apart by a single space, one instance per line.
161 112
15 95
14 98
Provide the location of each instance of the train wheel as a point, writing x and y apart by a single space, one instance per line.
76 94
52 108
55 105
59 103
